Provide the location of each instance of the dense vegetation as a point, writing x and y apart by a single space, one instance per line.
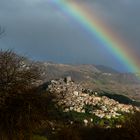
120 98
22 109
129 131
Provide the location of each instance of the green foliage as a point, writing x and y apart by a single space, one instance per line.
77 117
130 130
120 98
37 137
89 108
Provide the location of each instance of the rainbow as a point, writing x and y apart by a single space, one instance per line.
99 29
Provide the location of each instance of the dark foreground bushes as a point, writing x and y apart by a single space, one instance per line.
21 115
130 131
22 109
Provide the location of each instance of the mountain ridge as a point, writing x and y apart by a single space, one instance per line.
86 72
94 78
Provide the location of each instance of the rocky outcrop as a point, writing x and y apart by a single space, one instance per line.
72 97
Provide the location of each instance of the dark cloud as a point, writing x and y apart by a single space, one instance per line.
40 30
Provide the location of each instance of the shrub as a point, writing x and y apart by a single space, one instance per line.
37 137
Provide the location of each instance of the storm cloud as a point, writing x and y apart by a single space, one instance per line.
39 30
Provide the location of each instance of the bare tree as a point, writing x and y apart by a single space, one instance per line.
21 108
16 74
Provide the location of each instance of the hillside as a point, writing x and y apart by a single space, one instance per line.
100 78
106 69
86 72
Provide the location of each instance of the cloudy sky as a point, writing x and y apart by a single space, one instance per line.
41 31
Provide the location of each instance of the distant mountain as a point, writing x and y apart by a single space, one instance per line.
106 69
77 72
95 77
97 73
